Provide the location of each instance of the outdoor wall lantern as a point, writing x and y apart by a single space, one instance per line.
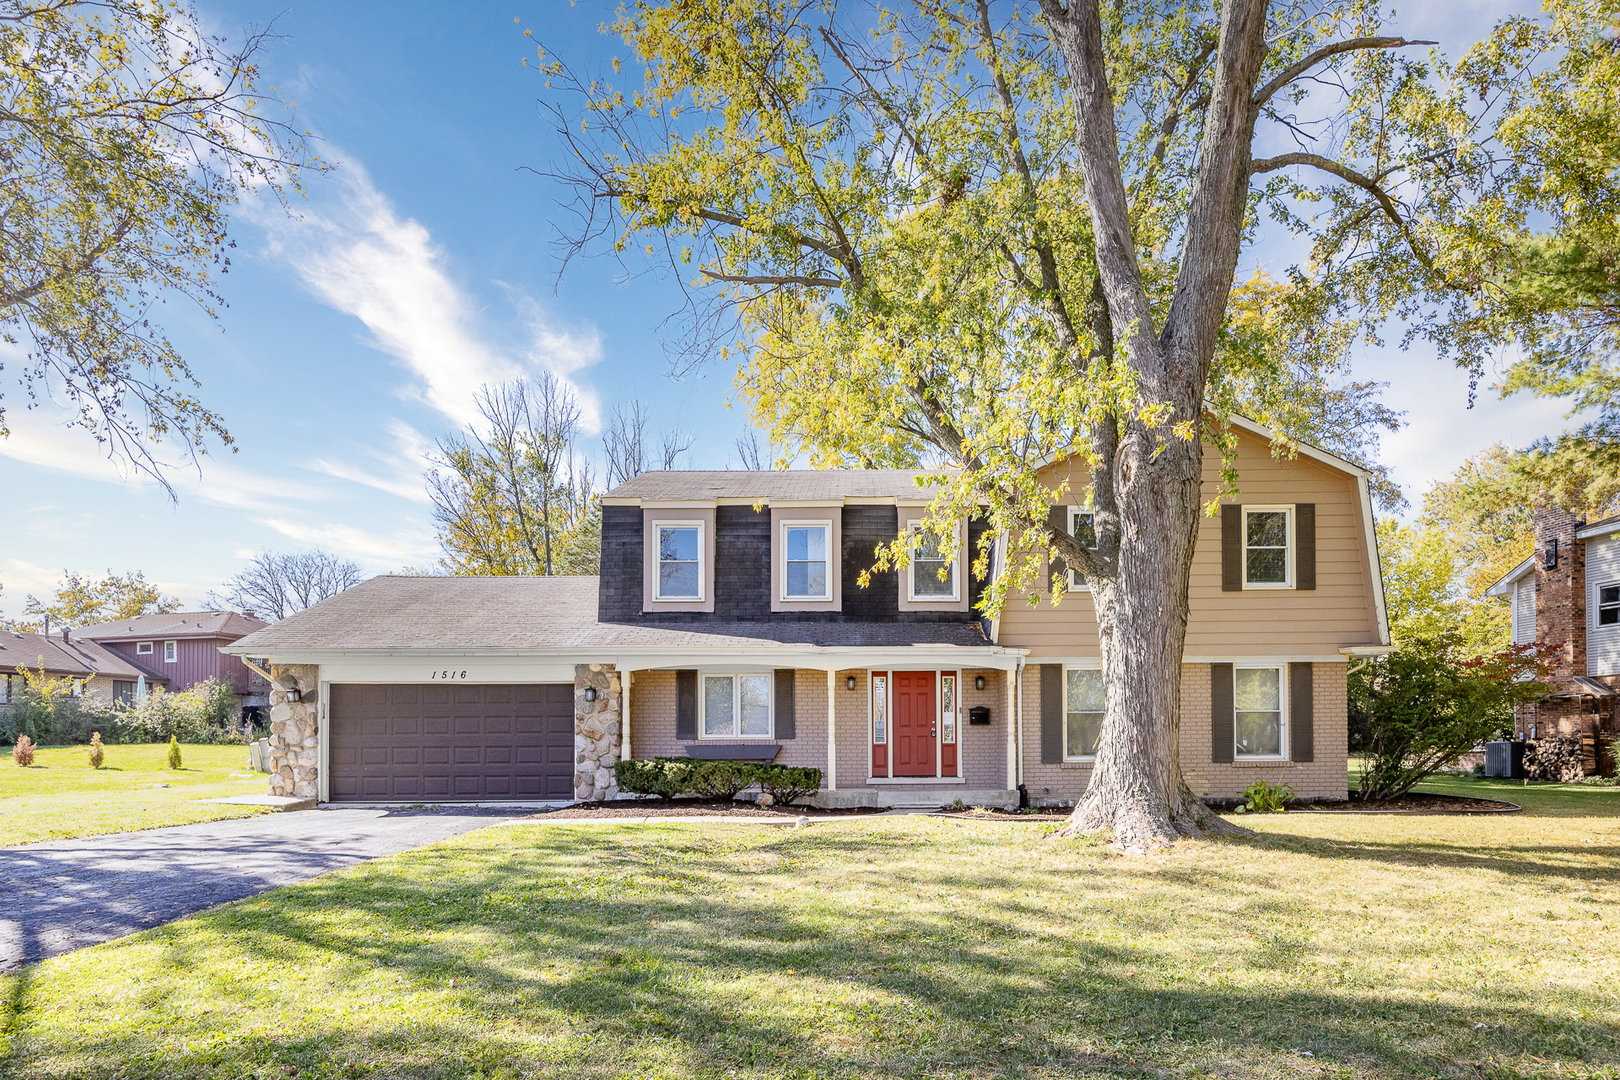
849 683
590 693
978 682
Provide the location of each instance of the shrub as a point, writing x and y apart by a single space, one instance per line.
23 752
1264 798
50 713
785 783
97 755
203 714
174 752
723 779
664 777
1413 712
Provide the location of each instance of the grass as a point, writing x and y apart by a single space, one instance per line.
885 947
60 796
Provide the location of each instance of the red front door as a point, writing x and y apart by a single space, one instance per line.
915 724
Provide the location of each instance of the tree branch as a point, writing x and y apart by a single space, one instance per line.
1327 52
113 238
1351 176
774 279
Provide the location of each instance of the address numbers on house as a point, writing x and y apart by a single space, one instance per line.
446 673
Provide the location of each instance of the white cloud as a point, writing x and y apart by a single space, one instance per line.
387 552
399 474
360 257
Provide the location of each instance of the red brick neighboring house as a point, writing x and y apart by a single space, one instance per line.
184 649
1567 594
106 675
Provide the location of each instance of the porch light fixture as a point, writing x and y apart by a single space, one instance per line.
590 693
849 683
978 682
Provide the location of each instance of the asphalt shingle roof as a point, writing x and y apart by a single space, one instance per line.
80 659
180 624
398 612
764 485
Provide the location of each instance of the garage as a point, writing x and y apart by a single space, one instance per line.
451 743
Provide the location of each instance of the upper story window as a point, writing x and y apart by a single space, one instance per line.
806 569
1083 528
1258 697
1267 540
680 561
143 648
933 572
170 650
1608 606
737 706
1082 713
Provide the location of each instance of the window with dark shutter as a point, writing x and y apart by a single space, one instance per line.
1051 714
1222 713
1231 548
1301 713
784 703
1305 545
686 705
1057 519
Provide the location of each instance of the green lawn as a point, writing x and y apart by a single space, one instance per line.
884 947
60 796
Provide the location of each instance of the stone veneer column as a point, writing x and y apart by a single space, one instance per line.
295 755
597 731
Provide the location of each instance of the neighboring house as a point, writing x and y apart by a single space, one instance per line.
1567 594
104 676
729 621
184 648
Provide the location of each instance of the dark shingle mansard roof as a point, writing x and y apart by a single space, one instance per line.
796 484
546 613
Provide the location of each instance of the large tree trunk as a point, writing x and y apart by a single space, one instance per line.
1137 791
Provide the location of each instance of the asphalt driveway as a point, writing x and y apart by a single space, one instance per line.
66 894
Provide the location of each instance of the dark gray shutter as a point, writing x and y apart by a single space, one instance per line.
784 703
1051 714
1222 715
1301 713
1231 549
1305 547
1057 519
686 704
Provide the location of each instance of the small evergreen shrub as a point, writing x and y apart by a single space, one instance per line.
23 752
97 755
785 783
723 779
663 777
174 752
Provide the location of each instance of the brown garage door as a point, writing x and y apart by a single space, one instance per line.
451 743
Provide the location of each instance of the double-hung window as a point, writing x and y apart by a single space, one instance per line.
1082 713
737 706
1082 528
933 571
1258 697
806 568
1608 605
1267 535
680 562
170 651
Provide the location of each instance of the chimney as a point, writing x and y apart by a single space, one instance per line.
249 615
1561 589
66 640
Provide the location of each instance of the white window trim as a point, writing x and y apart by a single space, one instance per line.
1288 582
1282 710
736 705
702 564
826 527
1076 582
1597 607
143 648
911 574
1067 757
171 652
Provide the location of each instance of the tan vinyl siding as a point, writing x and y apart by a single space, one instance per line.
1340 611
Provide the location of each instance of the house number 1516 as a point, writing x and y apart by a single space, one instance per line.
449 675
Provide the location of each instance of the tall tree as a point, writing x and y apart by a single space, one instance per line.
630 450
126 135
1010 237
86 601
508 492
278 584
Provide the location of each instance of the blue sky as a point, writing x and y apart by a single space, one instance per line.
421 267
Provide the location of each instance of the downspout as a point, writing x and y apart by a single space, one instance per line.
1018 711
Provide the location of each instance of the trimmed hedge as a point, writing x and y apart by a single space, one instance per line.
669 777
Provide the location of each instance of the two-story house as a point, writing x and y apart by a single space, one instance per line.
729 620
100 674
184 647
1567 594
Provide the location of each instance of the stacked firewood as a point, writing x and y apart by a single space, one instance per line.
1557 757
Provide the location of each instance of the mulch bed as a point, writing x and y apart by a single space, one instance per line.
1413 802
637 808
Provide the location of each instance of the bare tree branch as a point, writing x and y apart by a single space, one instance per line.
1327 52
